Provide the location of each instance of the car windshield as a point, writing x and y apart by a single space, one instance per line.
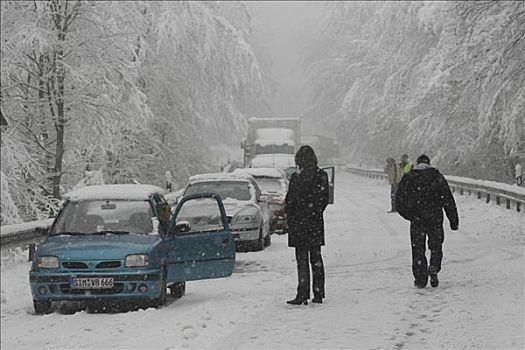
269 184
238 190
104 216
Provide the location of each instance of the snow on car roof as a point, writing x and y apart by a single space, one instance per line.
261 172
273 160
219 177
120 191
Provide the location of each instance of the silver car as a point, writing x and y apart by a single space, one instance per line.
246 207
273 183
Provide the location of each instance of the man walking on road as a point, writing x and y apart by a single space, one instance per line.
421 197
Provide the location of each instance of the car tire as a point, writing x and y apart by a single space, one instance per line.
177 290
42 307
161 299
260 242
268 240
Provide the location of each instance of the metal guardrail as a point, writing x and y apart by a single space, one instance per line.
22 235
511 200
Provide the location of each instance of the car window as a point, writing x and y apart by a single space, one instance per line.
91 217
269 184
238 190
203 215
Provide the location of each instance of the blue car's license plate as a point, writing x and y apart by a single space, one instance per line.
91 282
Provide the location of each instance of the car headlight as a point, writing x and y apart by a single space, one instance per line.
244 219
136 260
48 262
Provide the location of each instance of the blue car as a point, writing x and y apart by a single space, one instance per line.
107 245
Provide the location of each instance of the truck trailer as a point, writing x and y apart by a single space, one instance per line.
271 136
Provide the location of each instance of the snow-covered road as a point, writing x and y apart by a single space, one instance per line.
370 303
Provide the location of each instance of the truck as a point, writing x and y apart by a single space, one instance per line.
271 136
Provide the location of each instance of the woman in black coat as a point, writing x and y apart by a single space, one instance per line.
305 202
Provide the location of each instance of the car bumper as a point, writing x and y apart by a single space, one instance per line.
246 234
128 286
278 225
245 238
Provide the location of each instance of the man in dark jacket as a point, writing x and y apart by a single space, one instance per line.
421 197
305 202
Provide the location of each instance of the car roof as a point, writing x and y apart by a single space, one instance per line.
220 177
114 192
262 172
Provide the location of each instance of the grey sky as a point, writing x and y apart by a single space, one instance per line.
282 27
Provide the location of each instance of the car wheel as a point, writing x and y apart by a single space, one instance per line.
177 290
268 240
42 307
260 242
161 299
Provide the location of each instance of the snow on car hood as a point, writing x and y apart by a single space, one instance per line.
96 247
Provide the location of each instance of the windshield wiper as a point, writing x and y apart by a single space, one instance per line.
67 234
111 232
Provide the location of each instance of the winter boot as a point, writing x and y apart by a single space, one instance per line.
298 301
421 283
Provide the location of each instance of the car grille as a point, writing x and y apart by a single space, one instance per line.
77 265
108 265
117 288
74 265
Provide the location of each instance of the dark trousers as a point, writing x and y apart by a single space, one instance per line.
302 255
418 234
393 190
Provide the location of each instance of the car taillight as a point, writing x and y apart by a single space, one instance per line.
276 201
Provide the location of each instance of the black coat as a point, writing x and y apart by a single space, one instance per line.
305 202
422 195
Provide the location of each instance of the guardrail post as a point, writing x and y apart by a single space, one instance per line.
479 195
32 250
488 197
518 207
508 203
498 200
461 191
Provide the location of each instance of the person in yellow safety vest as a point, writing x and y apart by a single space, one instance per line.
405 164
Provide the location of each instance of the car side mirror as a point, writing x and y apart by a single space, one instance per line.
181 227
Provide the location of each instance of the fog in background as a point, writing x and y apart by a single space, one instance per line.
280 31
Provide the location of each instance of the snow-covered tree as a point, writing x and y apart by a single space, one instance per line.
127 89
446 78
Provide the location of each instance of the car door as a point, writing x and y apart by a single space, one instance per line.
330 170
207 249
